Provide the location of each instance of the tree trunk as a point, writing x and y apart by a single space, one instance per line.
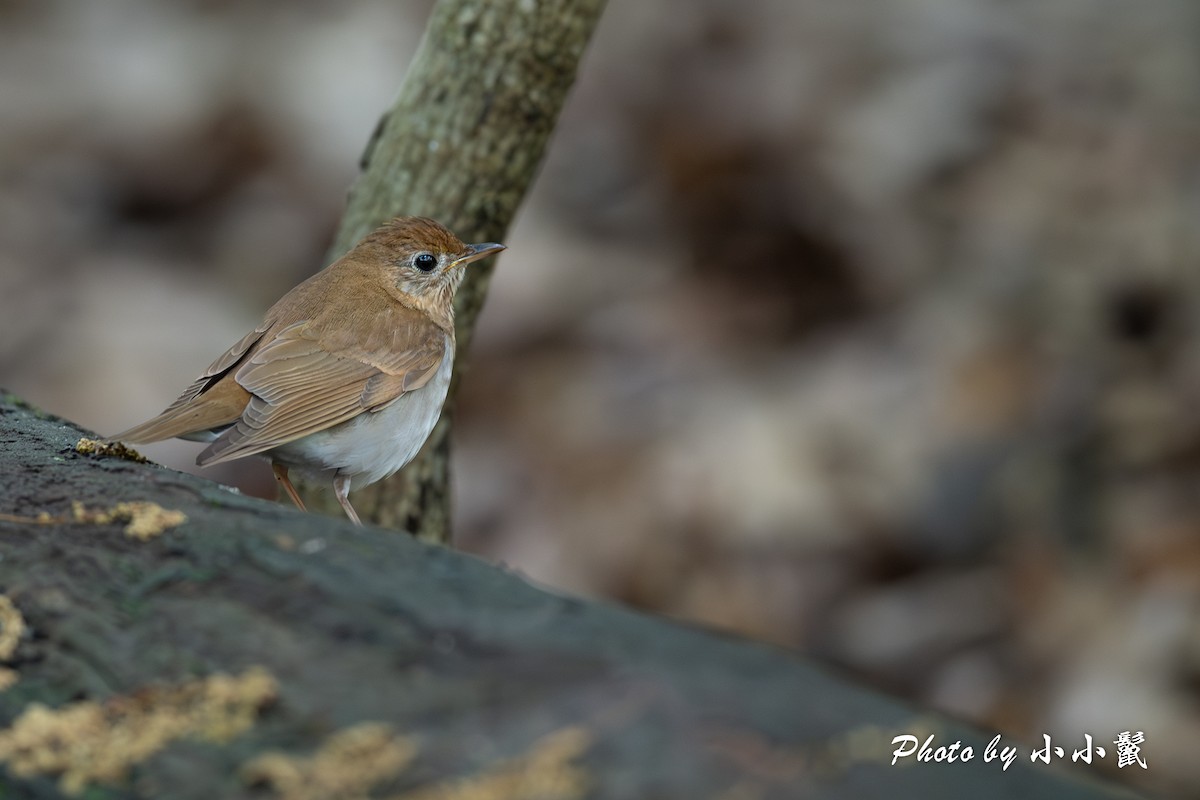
462 144
164 637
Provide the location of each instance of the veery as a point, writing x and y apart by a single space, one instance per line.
346 376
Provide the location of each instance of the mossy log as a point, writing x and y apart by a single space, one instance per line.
162 636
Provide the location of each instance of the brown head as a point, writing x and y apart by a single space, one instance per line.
422 259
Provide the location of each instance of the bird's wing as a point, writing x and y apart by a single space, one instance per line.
313 375
210 402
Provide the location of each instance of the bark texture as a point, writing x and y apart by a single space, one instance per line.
462 145
252 651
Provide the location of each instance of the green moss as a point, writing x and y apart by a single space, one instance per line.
10 399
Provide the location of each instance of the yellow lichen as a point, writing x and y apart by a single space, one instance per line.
92 447
346 767
12 625
544 773
91 742
144 520
357 760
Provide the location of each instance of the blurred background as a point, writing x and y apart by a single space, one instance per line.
865 328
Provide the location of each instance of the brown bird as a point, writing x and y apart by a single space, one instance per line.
346 376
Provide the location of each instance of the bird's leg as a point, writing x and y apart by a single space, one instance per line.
281 475
341 488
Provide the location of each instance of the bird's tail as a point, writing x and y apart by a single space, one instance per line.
195 419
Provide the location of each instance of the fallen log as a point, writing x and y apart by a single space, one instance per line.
162 636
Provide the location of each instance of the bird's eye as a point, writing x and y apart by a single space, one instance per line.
425 262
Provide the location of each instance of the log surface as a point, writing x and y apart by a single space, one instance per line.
487 686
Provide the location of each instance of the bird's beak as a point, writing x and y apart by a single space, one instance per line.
476 252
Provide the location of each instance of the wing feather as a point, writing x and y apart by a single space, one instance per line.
216 370
309 377
206 404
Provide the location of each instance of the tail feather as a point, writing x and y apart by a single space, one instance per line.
211 411
164 426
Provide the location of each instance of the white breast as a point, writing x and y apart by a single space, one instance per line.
375 444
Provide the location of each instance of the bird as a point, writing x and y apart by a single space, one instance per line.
346 376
